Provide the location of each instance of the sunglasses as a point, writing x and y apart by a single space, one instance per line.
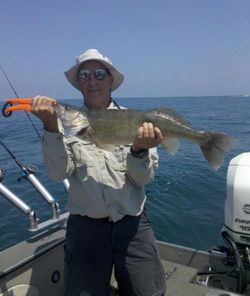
99 74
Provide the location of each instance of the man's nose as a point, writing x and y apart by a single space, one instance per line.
92 79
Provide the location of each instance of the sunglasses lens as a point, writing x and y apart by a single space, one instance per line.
84 74
100 74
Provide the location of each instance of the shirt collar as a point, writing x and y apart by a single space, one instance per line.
112 105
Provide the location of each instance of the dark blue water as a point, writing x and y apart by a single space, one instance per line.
185 201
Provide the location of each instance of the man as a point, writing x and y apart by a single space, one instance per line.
108 226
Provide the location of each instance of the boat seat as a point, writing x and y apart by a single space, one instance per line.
21 290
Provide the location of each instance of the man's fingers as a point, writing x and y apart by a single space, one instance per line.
148 137
145 130
151 132
140 132
158 134
42 103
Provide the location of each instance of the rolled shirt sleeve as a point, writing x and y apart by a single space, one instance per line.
141 171
58 158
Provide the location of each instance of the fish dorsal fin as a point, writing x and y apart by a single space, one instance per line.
170 112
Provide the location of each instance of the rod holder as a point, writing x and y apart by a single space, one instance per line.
40 188
66 184
18 203
56 210
33 221
45 194
14 199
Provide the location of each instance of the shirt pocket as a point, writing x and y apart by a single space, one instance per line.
84 156
118 159
83 153
119 155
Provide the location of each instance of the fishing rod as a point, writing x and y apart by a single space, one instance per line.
5 114
29 174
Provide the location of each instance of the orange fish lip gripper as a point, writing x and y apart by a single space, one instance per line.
23 104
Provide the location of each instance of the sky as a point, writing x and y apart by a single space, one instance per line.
165 48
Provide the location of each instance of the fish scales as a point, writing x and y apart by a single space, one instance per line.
125 123
116 126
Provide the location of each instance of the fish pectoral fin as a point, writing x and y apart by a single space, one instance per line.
172 145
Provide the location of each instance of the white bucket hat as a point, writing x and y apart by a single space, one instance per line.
93 54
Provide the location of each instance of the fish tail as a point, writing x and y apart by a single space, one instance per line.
215 146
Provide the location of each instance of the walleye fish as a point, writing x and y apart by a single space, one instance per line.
118 127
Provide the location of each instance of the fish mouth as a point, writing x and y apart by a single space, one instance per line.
58 108
82 131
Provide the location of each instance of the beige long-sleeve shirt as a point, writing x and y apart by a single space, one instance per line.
102 184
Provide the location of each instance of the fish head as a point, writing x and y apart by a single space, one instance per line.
71 116
72 119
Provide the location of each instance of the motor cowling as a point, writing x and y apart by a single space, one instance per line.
237 204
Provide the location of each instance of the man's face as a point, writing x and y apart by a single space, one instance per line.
95 91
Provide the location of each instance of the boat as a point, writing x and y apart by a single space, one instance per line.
35 267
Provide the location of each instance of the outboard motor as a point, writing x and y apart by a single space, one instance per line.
236 229
237 204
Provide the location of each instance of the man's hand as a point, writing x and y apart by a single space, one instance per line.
148 137
42 107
